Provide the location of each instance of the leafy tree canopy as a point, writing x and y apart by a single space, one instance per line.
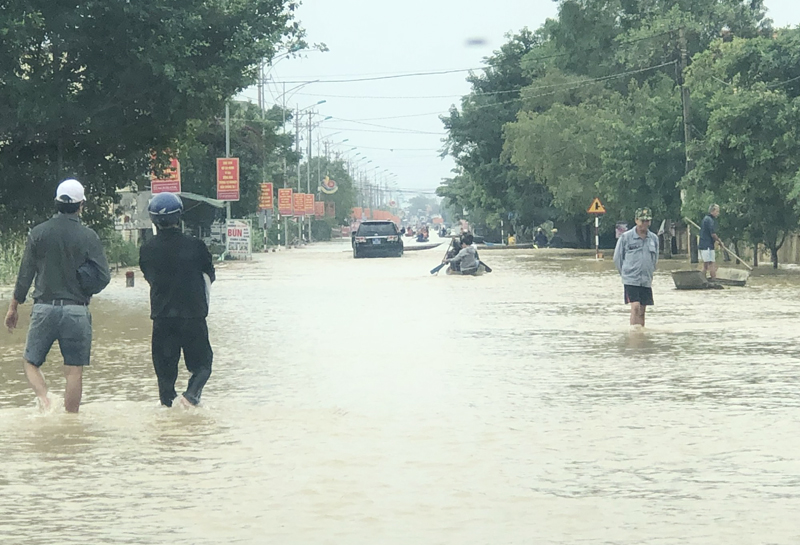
88 89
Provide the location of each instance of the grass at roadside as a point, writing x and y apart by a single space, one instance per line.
11 248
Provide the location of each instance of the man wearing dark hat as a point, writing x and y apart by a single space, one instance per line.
636 256
67 261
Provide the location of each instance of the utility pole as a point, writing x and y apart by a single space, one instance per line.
308 171
228 148
283 130
297 148
687 133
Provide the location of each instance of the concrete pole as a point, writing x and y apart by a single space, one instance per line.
308 172
228 148
285 170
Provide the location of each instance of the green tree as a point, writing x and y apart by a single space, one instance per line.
483 180
254 140
89 89
749 157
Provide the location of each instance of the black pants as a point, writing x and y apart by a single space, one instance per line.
170 335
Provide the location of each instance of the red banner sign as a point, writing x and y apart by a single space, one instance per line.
309 204
299 204
285 201
167 181
330 209
228 179
319 209
265 201
356 213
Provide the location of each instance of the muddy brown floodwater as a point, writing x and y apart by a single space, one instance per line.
366 401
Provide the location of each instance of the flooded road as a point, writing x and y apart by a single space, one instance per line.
366 401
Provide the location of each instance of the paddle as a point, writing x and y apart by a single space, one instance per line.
439 267
742 261
485 266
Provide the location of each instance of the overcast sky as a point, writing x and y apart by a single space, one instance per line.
395 122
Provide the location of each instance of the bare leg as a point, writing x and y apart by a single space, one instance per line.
74 389
705 267
637 314
37 382
712 267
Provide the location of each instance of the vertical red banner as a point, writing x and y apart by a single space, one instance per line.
167 181
319 209
299 204
309 204
266 199
228 179
285 200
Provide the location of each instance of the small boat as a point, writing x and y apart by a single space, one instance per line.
480 272
495 246
693 280
732 277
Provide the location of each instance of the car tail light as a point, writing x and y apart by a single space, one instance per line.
391 238
361 239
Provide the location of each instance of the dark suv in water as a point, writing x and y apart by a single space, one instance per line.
376 238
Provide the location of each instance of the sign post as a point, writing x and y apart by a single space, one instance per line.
596 208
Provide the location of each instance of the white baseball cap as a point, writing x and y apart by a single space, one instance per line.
70 191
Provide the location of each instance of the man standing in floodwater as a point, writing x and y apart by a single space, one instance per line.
67 261
636 256
708 237
179 270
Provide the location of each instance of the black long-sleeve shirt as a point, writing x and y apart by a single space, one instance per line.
53 252
173 263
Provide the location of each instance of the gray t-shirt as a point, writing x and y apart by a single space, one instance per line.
707 228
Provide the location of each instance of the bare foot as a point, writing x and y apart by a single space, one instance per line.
44 403
185 403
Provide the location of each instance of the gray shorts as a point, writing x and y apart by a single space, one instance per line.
70 325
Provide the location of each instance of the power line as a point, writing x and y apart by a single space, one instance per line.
401 129
393 76
320 79
408 132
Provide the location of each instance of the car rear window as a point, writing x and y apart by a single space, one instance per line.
376 229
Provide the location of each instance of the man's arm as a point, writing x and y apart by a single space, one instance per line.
144 264
655 261
27 271
619 253
206 261
458 257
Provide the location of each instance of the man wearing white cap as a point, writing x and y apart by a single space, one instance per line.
67 262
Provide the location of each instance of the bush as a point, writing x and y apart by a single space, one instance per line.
119 252
320 230
11 249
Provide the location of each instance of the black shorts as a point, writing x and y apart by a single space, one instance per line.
638 294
